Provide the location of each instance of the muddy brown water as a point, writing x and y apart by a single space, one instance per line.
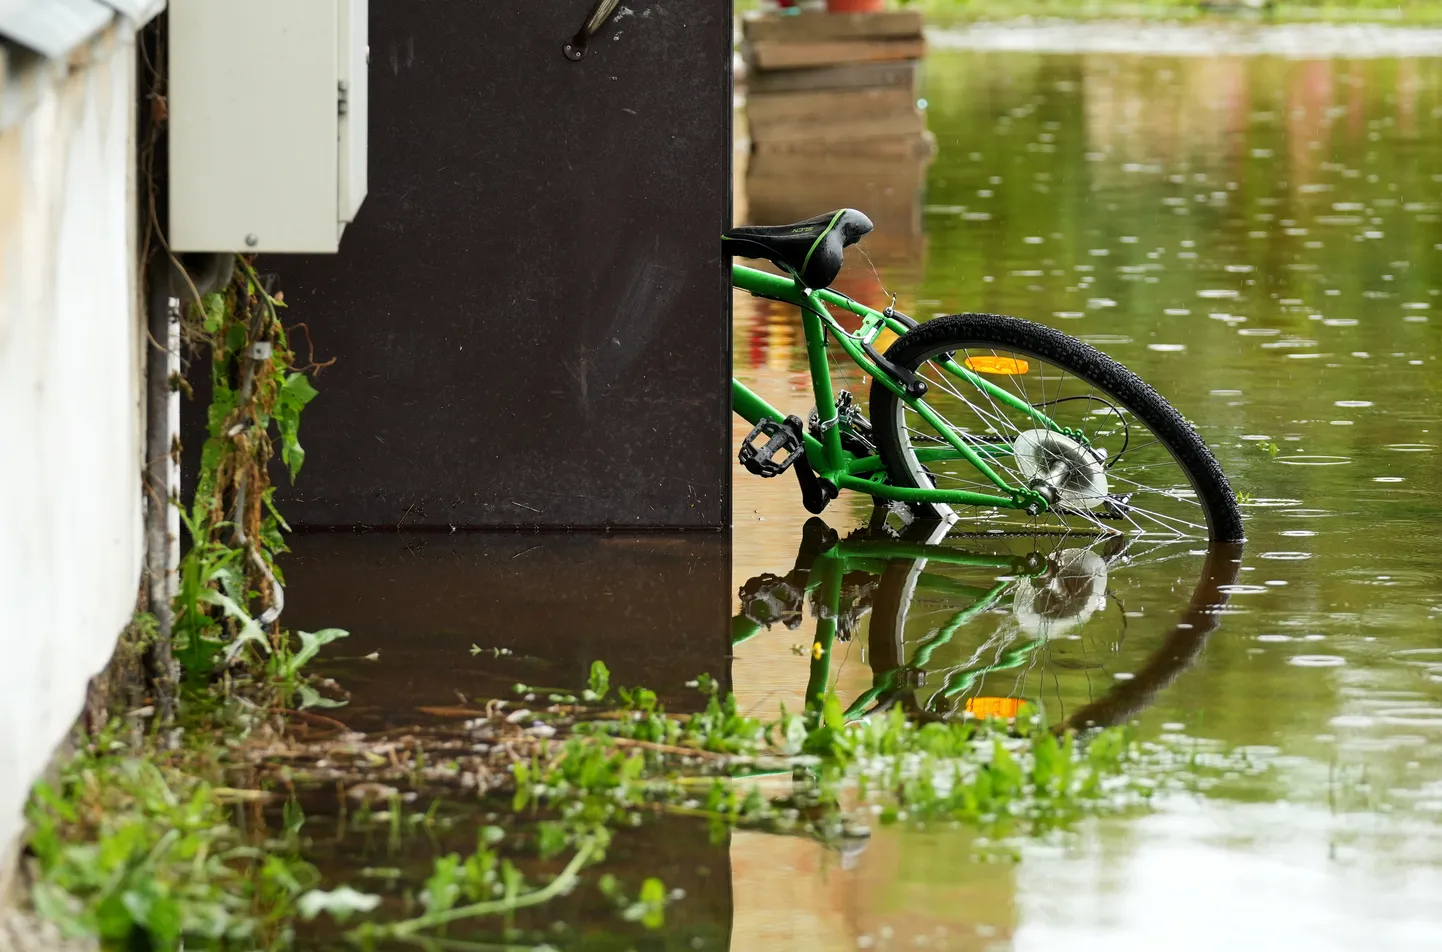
1261 238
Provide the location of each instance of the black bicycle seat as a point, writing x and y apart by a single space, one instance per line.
811 248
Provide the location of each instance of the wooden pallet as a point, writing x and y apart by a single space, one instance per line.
883 75
833 121
821 77
812 27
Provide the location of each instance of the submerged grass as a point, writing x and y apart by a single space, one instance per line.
135 843
582 768
160 840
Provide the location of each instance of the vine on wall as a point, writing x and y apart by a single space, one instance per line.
231 589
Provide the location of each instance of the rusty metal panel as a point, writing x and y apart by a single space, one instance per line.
530 312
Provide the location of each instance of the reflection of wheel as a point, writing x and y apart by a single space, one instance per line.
1144 470
1177 651
1075 585
886 642
1073 588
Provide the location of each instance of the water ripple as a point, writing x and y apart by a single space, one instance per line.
1305 460
1316 661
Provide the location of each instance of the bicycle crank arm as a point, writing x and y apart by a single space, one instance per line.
816 493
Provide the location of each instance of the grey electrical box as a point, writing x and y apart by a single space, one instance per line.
268 113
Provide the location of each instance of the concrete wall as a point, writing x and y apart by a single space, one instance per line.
71 425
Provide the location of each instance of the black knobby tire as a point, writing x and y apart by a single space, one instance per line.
957 332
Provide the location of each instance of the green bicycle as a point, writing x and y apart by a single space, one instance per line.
1032 427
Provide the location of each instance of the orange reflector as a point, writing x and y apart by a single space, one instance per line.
1001 707
996 365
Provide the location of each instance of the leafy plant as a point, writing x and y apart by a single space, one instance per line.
229 588
649 909
138 853
598 685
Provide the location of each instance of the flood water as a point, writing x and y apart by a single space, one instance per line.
1258 237
1261 238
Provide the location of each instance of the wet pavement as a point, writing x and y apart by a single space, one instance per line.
1257 236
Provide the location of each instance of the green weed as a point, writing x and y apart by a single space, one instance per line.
135 847
620 764
136 840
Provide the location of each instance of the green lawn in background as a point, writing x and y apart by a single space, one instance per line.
946 12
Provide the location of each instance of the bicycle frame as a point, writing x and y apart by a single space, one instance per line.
826 456
956 682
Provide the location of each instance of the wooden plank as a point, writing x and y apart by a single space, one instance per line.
813 27
809 180
773 204
823 107
893 147
839 129
849 76
774 54
852 166
900 215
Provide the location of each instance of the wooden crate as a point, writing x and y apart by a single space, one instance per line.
833 121
820 27
780 54
820 77
883 148
833 114
792 186
884 75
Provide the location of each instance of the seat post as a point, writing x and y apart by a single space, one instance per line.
815 332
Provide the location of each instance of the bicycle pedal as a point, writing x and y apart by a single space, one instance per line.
766 460
768 599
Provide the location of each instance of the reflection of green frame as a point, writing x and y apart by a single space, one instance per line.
872 556
826 455
956 681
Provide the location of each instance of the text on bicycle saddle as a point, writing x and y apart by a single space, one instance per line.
811 248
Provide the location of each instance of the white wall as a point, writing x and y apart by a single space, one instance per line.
71 386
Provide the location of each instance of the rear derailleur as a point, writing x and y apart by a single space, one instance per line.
857 437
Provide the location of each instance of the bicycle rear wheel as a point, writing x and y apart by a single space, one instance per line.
1141 468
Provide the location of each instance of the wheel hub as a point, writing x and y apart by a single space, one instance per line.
1060 469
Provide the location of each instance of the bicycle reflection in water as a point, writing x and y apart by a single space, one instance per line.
1023 609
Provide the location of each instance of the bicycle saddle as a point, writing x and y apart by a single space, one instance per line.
811 248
